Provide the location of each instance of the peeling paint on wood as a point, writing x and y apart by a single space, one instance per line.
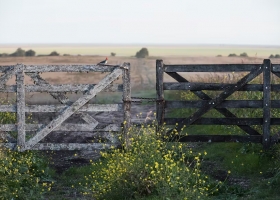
63 127
73 108
59 108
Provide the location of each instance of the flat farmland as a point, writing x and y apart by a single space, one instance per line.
154 50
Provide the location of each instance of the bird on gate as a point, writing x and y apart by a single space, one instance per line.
104 62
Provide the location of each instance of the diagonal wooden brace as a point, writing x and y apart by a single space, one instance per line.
212 103
73 108
63 99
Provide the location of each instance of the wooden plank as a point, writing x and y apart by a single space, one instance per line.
70 68
5 68
219 138
58 108
11 146
20 107
212 86
62 88
211 68
266 103
63 98
220 98
219 121
38 80
275 68
71 127
224 104
65 146
160 92
73 108
204 96
126 102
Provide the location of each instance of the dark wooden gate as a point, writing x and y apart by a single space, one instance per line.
219 102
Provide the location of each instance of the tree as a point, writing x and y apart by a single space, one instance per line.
113 54
142 53
30 53
232 55
277 56
244 54
271 56
19 53
54 53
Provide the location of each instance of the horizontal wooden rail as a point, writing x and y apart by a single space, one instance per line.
224 104
223 121
219 138
63 127
62 88
215 86
64 146
57 108
211 68
63 68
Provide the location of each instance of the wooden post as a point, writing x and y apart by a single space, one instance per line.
20 107
266 103
160 93
126 102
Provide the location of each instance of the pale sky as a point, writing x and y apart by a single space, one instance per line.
248 22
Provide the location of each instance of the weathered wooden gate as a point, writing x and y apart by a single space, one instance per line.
79 107
219 102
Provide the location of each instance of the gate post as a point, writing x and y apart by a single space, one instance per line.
126 102
20 107
266 103
160 93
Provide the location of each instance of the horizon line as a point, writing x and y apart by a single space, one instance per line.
133 44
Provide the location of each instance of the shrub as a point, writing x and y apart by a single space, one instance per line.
54 53
277 56
244 54
22 174
30 53
4 55
66 54
142 53
147 167
232 55
219 56
271 56
19 53
113 54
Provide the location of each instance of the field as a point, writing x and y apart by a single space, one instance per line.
244 170
154 50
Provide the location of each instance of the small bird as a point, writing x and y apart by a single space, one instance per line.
104 62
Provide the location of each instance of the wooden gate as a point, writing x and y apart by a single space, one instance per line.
219 102
79 107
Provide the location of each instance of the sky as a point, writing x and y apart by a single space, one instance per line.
237 22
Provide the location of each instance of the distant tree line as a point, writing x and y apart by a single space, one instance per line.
22 53
276 56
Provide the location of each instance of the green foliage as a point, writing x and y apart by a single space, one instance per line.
143 53
277 56
113 54
18 53
66 55
232 55
30 52
21 173
148 167
271 56
244 54
54 53
219 55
